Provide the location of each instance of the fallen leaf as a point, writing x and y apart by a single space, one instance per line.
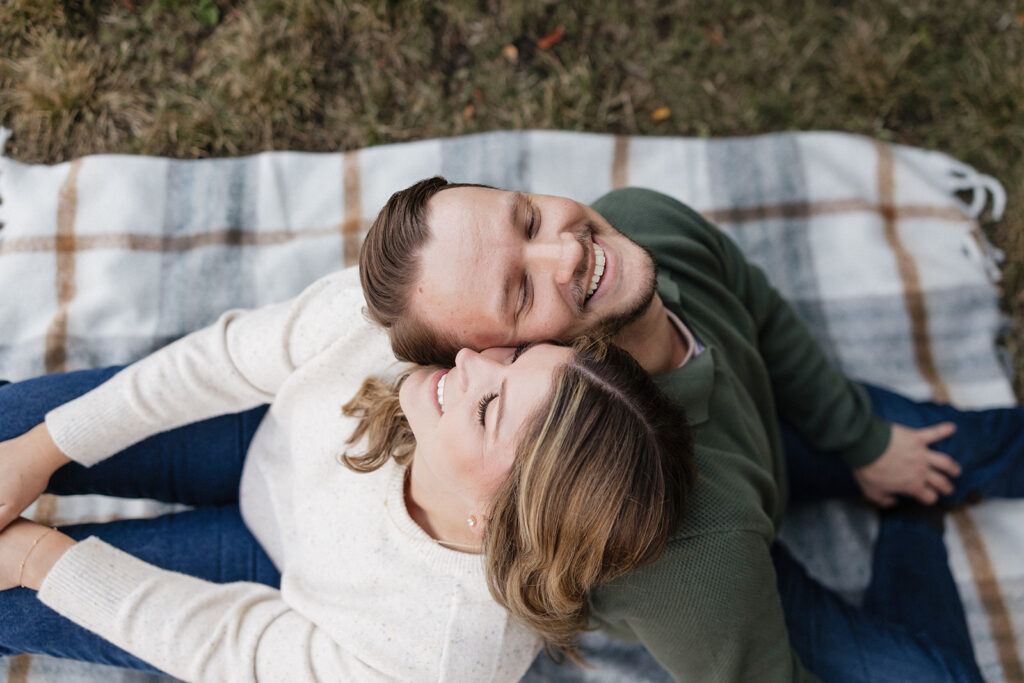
469 112
551 38
510 52
478 95
660 114
713 36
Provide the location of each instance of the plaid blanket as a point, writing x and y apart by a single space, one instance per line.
110 257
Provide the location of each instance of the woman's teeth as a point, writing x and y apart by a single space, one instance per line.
598 270
440 391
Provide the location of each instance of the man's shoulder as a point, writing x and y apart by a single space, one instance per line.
638 211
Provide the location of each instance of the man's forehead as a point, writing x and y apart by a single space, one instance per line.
467 199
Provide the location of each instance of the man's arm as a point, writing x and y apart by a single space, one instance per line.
829 410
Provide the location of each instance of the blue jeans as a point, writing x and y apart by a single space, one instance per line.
911 626
199 465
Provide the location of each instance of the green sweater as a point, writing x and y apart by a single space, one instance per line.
708 608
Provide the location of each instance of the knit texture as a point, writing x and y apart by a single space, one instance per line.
365 593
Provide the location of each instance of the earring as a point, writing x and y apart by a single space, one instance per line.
471 521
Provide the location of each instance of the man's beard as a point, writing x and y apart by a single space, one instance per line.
615 322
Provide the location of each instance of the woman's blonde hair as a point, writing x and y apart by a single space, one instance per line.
600 480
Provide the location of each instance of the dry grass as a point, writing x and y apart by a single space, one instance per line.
224 77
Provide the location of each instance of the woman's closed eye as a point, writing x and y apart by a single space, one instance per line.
481 410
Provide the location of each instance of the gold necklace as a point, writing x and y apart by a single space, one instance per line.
476 548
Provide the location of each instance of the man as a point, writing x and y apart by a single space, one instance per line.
446 266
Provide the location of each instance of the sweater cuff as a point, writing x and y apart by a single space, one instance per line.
871 446
90 583
96 425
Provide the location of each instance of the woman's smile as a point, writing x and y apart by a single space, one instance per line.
438 386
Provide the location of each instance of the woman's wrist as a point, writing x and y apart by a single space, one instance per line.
45 449
41 558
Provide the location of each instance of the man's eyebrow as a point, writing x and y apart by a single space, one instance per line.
504 303
515 203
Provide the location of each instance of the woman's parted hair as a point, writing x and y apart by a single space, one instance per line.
389 264
601 476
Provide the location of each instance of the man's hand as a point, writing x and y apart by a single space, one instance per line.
908 467
26 464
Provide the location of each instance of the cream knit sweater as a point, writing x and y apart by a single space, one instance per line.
365 593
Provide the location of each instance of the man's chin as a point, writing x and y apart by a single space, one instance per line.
614 323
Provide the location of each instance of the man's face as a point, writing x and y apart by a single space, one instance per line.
505 268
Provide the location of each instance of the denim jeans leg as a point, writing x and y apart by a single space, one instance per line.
814 475
843 644
198 464
988 444
211 543
912 595
912 585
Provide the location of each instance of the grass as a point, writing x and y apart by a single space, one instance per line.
224 77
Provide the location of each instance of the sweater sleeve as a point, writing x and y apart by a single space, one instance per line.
235 364
190 628
707 610
827 408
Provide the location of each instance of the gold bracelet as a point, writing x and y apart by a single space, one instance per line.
21 572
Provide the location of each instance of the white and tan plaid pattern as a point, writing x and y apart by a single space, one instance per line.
109 257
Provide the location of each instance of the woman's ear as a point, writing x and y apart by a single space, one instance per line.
477 524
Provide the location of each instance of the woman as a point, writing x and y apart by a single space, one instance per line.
521 457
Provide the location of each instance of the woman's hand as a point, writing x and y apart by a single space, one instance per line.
26 464
28 552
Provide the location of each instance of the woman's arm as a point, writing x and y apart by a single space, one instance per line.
190 628
197 630
237 363
26 464
28 551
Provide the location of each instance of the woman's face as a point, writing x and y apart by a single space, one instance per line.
467 420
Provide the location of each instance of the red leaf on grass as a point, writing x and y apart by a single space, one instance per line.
551 38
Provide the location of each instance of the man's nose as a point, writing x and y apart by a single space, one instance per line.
561 257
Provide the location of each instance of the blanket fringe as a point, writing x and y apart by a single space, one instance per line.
964 178
952 177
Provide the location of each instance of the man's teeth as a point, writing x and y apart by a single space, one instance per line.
440 391
598 270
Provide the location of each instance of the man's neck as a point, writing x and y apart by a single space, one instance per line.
653 340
